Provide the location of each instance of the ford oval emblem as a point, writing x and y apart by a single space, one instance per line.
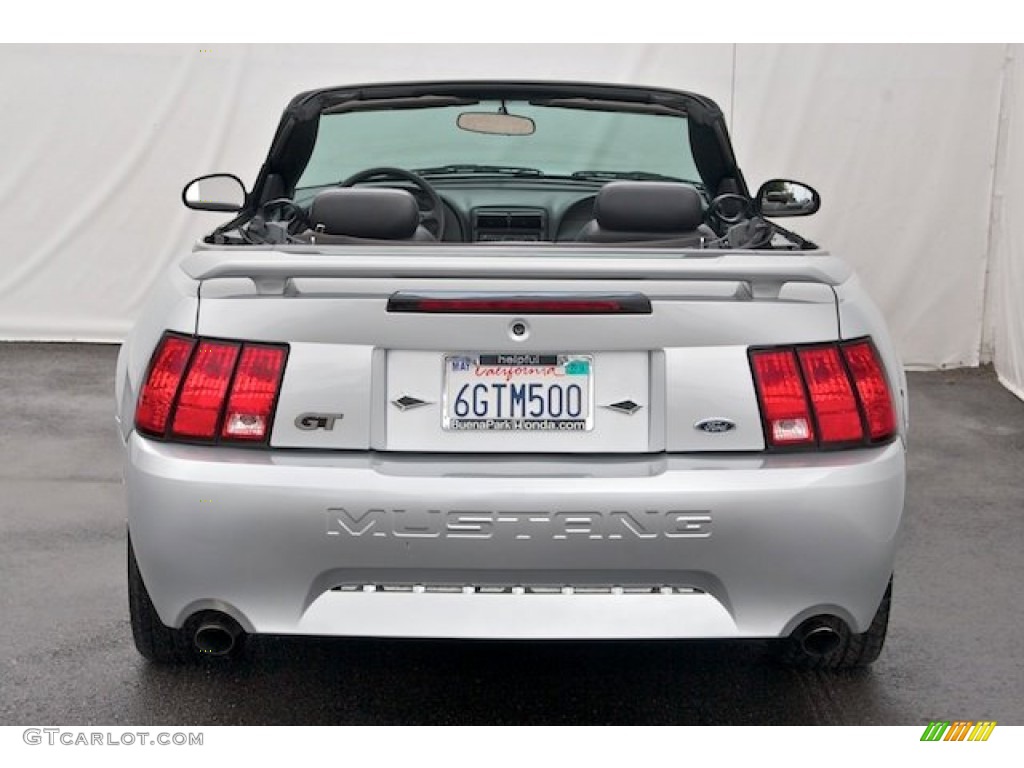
715 425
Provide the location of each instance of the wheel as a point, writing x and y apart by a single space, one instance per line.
730 208
286 211
153 639
853 651
431 217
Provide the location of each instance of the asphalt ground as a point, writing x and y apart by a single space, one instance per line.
66 656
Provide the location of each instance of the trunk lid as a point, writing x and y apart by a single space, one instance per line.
676 378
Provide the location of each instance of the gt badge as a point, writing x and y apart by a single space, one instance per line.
311 421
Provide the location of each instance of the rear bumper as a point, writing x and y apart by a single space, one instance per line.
295 542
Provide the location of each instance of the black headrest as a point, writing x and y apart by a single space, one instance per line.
377 214
648 206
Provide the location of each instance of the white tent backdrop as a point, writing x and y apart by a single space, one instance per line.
1004 327
916 150
900 142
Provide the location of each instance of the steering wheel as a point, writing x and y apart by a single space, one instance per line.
285 211
431 217
731 208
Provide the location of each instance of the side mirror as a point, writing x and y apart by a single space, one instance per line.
217 192
782 197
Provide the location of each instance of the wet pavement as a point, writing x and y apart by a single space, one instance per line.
66 654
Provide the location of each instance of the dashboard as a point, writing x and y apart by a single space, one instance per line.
491 208
514 211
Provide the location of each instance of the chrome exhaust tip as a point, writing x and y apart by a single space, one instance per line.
820 639
216 635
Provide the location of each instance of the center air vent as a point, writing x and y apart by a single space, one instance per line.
496 225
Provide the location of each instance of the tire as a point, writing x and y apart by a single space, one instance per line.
854 650
154 640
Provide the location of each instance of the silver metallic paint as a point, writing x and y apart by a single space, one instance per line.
259 547
792 535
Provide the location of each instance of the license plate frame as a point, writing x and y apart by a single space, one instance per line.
575 370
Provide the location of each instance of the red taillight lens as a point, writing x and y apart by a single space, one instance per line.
202 394
783 401
872 388
253 393
843 385
209 390
835 407
161 385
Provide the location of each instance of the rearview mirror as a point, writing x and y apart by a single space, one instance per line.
782 197
216 192
497 123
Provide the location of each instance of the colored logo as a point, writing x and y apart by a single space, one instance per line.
958 730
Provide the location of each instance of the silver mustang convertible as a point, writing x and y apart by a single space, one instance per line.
509 360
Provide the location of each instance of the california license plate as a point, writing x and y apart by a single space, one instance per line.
503 392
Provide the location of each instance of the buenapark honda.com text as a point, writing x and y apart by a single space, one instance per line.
78 738
518 425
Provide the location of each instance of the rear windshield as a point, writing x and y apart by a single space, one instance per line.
565 141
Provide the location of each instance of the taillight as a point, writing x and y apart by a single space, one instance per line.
872 388
202 394
253 394
165 372
823 395
783 401
835 408
211 390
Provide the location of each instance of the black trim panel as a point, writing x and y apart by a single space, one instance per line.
525 303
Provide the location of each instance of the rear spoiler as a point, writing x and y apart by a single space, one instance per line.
270 269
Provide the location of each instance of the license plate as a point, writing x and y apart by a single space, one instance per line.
518 392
